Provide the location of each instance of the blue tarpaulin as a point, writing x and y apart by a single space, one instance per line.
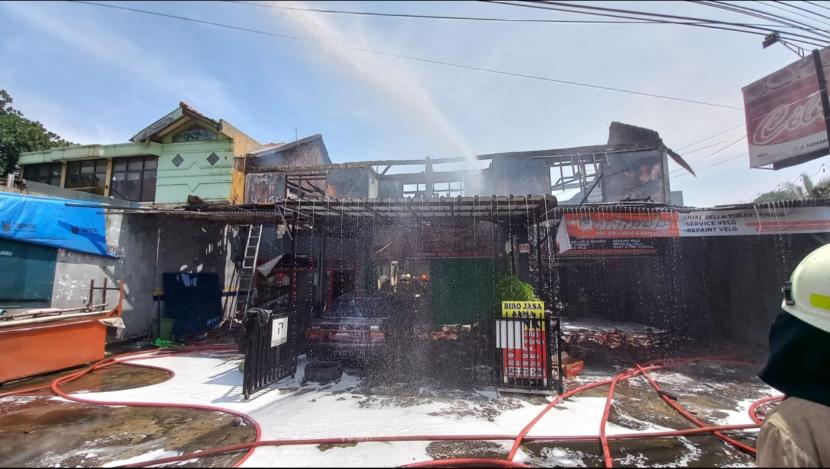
59 223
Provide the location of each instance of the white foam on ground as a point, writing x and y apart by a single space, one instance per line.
154 454
606 326
291 410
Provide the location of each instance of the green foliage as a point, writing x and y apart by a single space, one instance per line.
822 189
792 191
19 134
510 288
774 196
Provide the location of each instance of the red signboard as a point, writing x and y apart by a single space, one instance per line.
527 361
784 117
610 225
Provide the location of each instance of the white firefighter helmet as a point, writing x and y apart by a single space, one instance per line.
807 294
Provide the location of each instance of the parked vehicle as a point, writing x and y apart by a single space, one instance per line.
356 328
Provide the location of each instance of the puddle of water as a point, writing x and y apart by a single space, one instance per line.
325 447
39 432
466 449
112 378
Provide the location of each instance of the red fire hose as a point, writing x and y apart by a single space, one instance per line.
688 415
123 358
753 409
249 447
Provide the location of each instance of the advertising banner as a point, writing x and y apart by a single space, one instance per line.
622 225
752 222
611 247
784 117
522 338
625 231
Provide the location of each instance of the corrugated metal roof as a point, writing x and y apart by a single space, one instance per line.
518 209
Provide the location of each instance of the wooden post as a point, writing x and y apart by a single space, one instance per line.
108 178
63 174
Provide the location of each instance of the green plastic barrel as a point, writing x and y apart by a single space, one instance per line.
166 329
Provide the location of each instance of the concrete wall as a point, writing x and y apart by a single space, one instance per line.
195 175
518 177
185 246
351 182
636 175
264 188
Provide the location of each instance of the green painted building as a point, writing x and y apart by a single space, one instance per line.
182 154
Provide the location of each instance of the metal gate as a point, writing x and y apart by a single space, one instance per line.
529 353
271 343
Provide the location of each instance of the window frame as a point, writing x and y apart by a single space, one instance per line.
142 172
99 168
50 179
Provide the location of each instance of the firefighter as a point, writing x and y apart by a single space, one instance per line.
797 434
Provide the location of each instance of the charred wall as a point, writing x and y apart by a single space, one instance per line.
715 288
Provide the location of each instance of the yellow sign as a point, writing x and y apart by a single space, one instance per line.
523 309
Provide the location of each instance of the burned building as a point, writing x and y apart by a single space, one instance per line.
631 166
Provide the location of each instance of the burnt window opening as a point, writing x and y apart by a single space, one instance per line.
87 176
448 189
414 190
46 173
134 178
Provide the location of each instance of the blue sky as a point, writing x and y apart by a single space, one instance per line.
98 75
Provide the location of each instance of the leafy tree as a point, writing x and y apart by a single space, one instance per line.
19 134
792 191
774 196
822 189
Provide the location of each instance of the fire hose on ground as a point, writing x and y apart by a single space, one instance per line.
602 438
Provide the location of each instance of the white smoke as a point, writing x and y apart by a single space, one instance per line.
386 74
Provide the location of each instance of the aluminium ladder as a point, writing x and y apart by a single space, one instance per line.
248 269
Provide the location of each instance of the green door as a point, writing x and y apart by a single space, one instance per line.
28 272
462 290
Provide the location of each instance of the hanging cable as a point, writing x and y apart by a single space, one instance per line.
768 16
681 20
420 59
434 17
711 137
790 5
710 155
818 4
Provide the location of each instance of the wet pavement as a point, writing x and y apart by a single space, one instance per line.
112 378
42 431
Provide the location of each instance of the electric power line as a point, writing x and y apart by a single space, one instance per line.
756 13
674 19
781 19
817 4
811 18
748 11
718 163
689 152
447 17
711 154
435 17
417 59
711 137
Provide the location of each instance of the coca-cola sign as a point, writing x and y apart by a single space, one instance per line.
784 115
